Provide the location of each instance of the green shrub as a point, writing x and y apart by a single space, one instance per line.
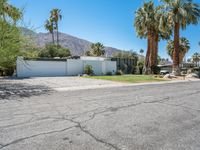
88 70
133 70
155 70
109 73
140 66
119 72
124 68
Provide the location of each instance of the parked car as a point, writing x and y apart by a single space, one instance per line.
164 72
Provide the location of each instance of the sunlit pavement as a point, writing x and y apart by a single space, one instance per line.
142 117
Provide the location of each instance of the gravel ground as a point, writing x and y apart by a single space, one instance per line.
27 87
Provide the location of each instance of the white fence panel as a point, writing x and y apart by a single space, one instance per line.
74 67
96 66
41 68
109 66
69 67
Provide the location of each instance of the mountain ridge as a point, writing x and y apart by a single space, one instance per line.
77 46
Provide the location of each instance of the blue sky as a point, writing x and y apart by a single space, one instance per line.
106 21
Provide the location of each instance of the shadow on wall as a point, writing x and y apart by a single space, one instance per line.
10 90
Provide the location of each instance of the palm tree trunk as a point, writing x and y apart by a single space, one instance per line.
152 45
57 33
147 54
156 48
53 37
176 68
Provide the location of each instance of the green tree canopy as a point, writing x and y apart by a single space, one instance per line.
10 44
51 51
126 54
10 35
96 49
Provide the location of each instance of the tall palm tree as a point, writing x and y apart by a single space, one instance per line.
56 17
181 13
196 58
162 30
49 27
8 11
97 49
184 46
150 23
144 25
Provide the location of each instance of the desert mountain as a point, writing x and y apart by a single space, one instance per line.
77 45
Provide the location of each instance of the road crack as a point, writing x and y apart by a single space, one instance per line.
32 136
93 136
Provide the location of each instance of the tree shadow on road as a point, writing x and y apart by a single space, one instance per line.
10 89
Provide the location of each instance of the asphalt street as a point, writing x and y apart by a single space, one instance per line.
148 117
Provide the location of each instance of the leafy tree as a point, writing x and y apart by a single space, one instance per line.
140 65
96 49
126 54
181 14
10 35
10 44
55 18
51 51
127 67
184 46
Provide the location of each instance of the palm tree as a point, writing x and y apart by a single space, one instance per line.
181 13
141 51
196 58
144 25
8 11
56 17
163 30
97 49
184 46
150 23
49 27
88 53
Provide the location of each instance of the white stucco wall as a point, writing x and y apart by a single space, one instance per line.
74 67
70 67
40 68
109 66
96 66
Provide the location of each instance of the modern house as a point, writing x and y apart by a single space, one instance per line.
63 67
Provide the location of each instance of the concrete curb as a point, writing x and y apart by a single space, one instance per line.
64 89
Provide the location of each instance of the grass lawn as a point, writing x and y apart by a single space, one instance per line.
129 78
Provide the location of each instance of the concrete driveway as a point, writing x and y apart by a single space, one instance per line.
150 117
